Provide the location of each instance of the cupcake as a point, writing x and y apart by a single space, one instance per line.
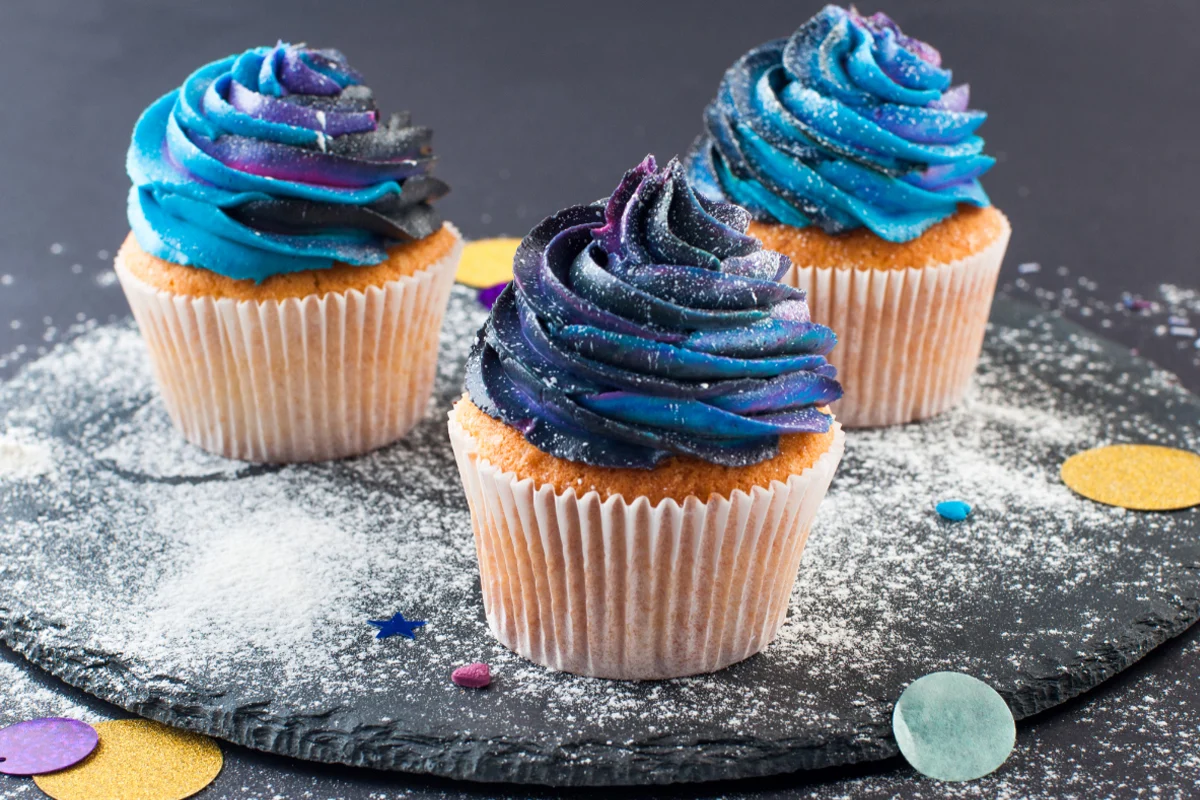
858 159
286 266
644 438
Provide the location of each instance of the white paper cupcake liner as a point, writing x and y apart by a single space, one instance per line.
908 339
630 590
303 379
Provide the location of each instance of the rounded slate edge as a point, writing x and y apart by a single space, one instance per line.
81 734
512 761
595 763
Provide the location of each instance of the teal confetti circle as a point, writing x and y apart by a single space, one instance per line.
952 727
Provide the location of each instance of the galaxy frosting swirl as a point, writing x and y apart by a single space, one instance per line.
848 123
649 325
276 161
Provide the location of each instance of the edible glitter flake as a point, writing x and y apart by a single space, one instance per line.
138 759
43 745
472 676
1137 477
487 297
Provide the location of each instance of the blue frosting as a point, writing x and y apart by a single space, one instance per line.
849 123
274 161
651 325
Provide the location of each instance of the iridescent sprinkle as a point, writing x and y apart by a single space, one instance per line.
954 510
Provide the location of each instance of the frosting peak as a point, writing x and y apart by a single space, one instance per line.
848 123
276 161
650 324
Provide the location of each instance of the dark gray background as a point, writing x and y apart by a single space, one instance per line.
539 105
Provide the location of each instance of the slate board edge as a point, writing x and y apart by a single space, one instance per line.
506 761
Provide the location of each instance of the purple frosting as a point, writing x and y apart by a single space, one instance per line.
648 325
849 123
275 161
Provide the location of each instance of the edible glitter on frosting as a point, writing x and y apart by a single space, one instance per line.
276 161
848 123
650 324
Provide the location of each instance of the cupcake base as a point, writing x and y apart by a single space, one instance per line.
632 590
910 318
277 378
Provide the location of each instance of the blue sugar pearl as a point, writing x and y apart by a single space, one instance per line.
955 510
952 727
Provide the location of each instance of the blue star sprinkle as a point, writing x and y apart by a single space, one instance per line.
396 626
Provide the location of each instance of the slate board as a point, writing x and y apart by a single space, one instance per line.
231 599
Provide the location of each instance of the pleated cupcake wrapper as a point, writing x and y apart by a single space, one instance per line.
303 379
908 339
630 590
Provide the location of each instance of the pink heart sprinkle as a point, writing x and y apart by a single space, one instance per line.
472 676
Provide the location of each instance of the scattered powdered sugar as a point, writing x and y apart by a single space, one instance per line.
249 578
22 456
1150 725
1164 323
1181 298
25 695
181 578
146 443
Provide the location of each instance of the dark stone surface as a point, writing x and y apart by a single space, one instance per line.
1085 592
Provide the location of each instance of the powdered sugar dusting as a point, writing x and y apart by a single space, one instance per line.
24 698
249 578
22 457
245 589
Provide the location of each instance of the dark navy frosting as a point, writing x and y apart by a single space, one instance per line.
849 123
276 161
650 324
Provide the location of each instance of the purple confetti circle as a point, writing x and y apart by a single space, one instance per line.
38 746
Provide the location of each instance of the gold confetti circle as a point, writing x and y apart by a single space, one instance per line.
1140 477
138 759
487 262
